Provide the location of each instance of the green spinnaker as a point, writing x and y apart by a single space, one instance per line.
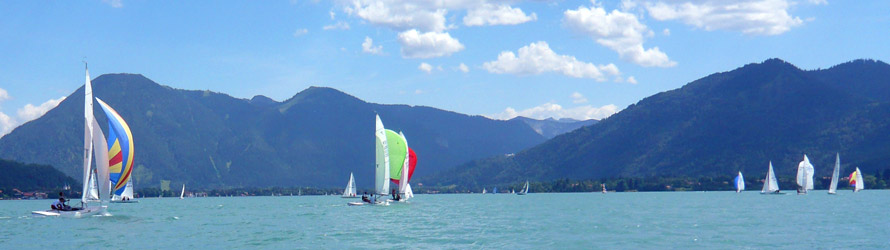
398 151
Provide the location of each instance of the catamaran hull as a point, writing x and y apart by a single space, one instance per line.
89 211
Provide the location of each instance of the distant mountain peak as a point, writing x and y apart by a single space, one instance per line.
261 100
318 95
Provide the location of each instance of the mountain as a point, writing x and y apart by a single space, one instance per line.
211 140
550 127
726 122
28 177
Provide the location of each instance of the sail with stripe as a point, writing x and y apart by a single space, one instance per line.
120 149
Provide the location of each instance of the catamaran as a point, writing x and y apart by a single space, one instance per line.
93 177
524 190
857 181
832 189
770 184
182 194
739 183
804 175
349 192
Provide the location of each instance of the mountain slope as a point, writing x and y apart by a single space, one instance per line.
550 127
212 140
28 177
725 122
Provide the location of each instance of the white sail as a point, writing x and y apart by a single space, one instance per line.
349 192
381 178
403 179
182 194
102 170
93 193
525 191
770 184
128 190
805 174
87 137
740 182
860 182
835 174
408 192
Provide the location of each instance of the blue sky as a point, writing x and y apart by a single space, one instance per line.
577 59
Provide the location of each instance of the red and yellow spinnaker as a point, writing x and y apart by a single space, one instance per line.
120 149
853 179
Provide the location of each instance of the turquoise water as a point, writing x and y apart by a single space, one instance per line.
460 221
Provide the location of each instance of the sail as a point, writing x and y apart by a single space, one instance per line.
182 194
101 154
856 181
403 173
525 190
835 174
398 153
128 191
408 192
120 145
93 193
739 182
805 173
381 178
770 184
87 136
350 187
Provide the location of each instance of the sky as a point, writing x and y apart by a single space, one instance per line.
496 58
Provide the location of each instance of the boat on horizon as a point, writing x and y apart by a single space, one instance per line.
857 181
349 192
182 194
524 190
739 183
770 184
832 188
804 175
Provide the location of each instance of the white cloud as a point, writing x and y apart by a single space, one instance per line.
619 31
30 112
632 80
114 3
368 47
666 32
300 32
419 91
578 98
25 114
425 67
333 15
337 26
428 45
463 68
556 111
818 2
757 17
501 14
537 58
401 14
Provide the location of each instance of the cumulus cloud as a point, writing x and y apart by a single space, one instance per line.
666 32
368 47
428 45
425 67
757 17
337 26
501 14
818 2
578 98
537 58
25 114
114 3
463 68
300 32
619 31
556 111
632 80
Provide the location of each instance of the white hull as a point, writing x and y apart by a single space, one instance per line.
88 211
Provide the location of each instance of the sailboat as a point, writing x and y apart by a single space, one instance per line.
857 181
120 152
126 196
182 194
402 174
484 191
739 183
381 166
349 192
604 187
524 190
94 177
770 184
832 189
804 176
494 190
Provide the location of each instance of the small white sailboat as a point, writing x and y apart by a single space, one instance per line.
770 184
604 188
832 189
126 196
524 190
182 194
349 192
484 191
739 183
96 184
805 172
857 181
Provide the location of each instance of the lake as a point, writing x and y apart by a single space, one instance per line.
460 221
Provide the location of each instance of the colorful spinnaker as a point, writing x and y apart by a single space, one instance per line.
856 180
120 149
398 153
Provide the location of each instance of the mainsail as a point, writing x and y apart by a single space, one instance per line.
770 185
120 149
382 172
805 174
87 138
739 183
835 174
349 192
93 137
